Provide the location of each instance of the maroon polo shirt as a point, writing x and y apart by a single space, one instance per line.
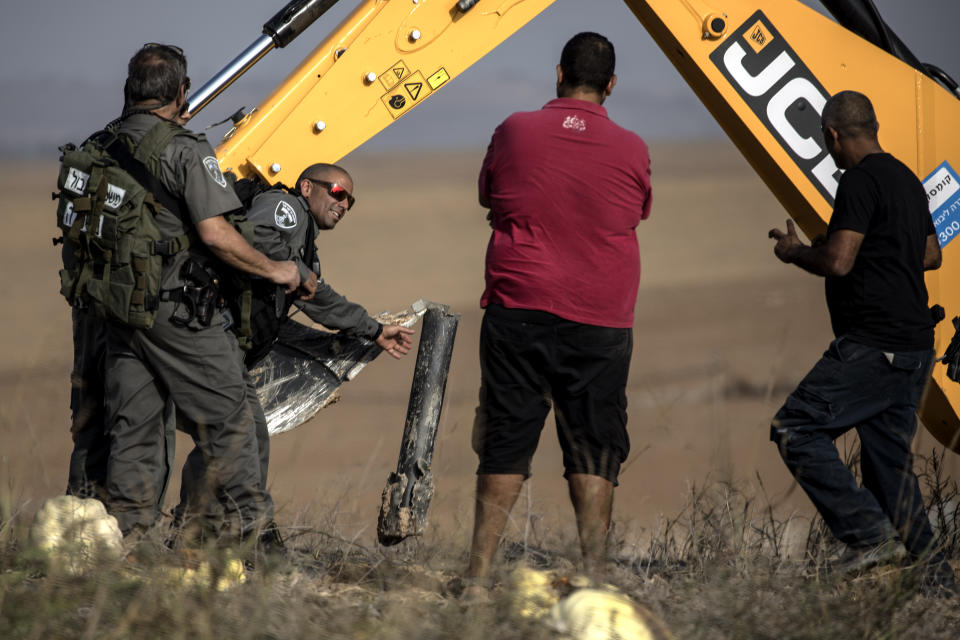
566 188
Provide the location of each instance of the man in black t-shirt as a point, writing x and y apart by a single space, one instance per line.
879 242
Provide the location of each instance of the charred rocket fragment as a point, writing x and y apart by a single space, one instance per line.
406 498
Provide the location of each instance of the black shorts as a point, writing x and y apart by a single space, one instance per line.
530 360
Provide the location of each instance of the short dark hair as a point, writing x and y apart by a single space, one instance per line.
155 72
587 60
851 114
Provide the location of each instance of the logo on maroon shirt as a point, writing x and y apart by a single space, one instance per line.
574 122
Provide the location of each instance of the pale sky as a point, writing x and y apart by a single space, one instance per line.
63 62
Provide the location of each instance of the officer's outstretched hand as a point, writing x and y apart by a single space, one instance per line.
395 340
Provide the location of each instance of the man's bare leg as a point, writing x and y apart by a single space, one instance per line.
496 495
592 498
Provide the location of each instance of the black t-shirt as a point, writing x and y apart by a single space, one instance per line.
882 302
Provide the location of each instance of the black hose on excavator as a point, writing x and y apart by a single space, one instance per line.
863 18
942 77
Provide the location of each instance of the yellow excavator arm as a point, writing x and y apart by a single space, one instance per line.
383 60
764 69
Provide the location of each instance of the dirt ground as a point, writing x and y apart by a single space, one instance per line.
723 332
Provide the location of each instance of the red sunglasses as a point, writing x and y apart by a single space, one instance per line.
336 192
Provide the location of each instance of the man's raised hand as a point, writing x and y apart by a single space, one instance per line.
787 243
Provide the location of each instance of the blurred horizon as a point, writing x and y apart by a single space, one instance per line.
54 94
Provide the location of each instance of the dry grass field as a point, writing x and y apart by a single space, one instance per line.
723 332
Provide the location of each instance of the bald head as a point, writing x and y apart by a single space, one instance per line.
851 115
323 171
328 190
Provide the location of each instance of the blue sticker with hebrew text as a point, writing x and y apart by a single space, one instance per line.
943 195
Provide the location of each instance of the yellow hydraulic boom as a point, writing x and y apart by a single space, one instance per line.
383 60
764 69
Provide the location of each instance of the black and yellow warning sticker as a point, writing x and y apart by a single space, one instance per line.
437 78
392 76
406 94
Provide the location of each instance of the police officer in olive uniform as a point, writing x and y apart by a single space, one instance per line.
285 228
184 357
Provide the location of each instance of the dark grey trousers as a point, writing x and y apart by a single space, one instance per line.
194 506
87 477
855 386
202 372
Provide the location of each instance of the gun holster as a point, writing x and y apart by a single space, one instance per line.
200 295
951 357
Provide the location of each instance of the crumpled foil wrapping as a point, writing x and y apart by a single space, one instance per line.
304 370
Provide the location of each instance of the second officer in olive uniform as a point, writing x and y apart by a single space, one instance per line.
285 228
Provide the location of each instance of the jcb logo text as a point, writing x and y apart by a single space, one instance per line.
783 93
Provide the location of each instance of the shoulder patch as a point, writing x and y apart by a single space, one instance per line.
285 216
213 168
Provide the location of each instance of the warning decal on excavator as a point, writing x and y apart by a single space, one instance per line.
438 78
392 76
406 95
943 196
413 88
783 93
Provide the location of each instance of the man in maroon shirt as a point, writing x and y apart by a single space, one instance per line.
566 188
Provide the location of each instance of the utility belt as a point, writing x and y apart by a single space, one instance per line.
254 312
198 299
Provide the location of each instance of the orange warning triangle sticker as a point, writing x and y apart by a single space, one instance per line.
413 88
398 71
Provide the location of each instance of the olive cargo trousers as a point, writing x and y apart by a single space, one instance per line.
194 506
201 371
